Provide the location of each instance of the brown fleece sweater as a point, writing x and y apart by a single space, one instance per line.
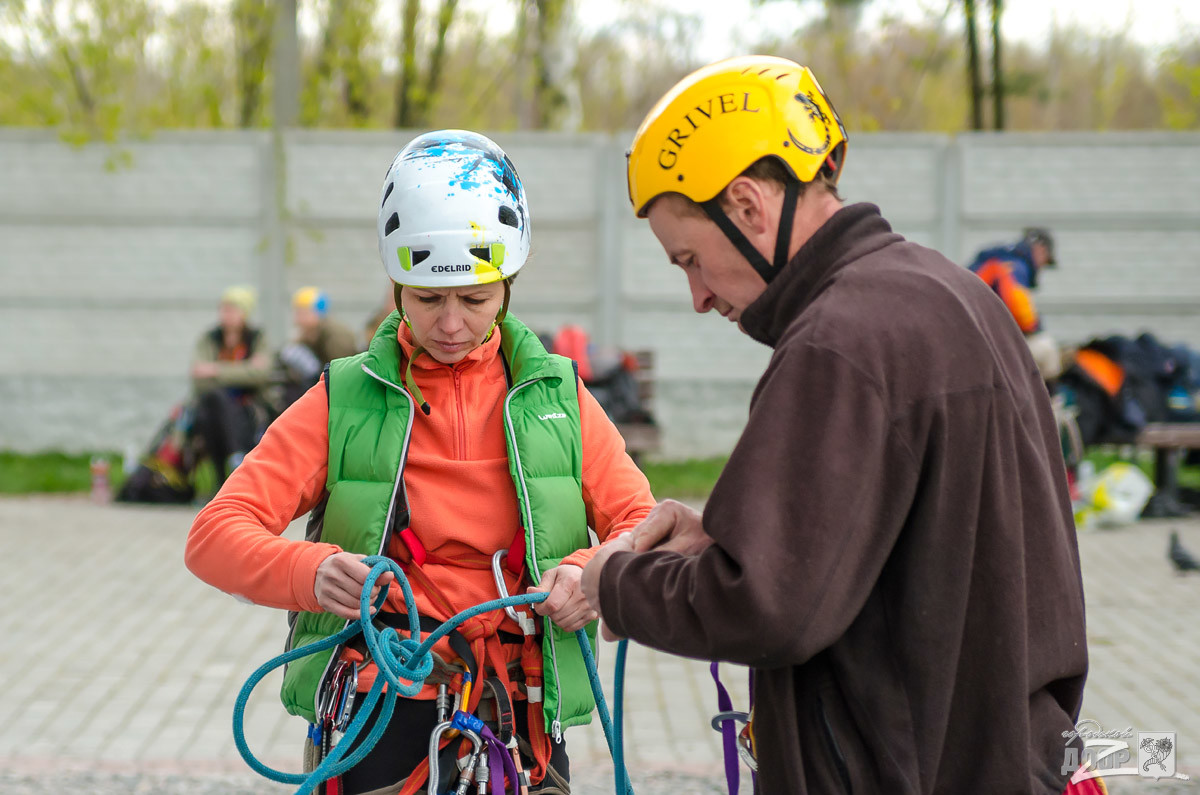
895 555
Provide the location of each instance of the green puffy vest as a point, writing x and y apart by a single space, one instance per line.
370 423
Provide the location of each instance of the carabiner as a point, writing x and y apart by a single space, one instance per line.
722 717
745 737
435 772
345 704
523 620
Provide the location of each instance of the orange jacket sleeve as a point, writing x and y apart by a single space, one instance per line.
235 543
615 491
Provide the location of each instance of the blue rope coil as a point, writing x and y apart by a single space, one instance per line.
409 659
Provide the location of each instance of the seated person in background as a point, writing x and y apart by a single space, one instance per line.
230 368
319 340
1012 273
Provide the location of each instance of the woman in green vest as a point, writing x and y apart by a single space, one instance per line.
458 446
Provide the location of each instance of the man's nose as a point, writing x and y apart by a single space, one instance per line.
702 297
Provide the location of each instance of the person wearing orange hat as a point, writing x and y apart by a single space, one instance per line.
890 547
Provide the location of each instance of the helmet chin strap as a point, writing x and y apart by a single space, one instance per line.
783 237
415 390
503 313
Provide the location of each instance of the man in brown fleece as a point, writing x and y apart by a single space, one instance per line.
890 547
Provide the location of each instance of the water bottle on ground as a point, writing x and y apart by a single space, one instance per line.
101 490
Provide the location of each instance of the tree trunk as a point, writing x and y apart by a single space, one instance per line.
433 77
406 87
974 81
548 99
312 109
252 24
997 68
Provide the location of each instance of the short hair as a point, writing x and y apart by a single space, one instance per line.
771 169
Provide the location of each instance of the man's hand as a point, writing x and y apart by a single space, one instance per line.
671 526
339 584
566 605
590 584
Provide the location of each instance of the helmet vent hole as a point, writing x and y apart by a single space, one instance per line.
418 256
388 192
508 216
484 253
393 223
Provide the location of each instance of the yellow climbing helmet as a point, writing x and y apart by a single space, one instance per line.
721 119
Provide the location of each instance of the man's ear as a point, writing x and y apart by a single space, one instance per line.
745 202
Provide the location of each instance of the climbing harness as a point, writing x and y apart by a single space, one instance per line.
735 744
404 664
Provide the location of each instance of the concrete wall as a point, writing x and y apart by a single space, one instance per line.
112 257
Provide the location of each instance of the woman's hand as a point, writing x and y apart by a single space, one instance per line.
565 605
339 584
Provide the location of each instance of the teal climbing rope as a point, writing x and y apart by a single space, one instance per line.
404 664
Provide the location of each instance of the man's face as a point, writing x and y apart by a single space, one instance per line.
305 318
1041 255
231 316
718 275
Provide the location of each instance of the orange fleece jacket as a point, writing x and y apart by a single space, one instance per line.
461 495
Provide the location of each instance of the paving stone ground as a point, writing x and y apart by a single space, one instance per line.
120 669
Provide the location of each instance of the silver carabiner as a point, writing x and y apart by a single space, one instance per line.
721 718
744 746
468 771
435 772
523 620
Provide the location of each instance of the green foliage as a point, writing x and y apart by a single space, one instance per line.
41 473
341 76
95 69
1180 90
680 480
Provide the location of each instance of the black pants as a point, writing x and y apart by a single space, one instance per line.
405 743
226 425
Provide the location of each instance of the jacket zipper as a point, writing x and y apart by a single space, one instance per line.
398 486
556 725
839 760
462 421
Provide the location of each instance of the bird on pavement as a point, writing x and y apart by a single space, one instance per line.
1184 561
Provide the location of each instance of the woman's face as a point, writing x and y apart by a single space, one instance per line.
450 322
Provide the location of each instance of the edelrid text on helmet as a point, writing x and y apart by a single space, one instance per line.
721 119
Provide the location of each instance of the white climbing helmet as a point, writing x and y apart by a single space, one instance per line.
453 213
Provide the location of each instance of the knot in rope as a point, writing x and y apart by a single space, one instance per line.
396 659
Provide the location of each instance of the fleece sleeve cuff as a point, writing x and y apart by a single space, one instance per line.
304 574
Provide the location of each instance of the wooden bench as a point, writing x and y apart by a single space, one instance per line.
1169 441
642 437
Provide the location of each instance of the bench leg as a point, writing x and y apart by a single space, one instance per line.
1165 502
